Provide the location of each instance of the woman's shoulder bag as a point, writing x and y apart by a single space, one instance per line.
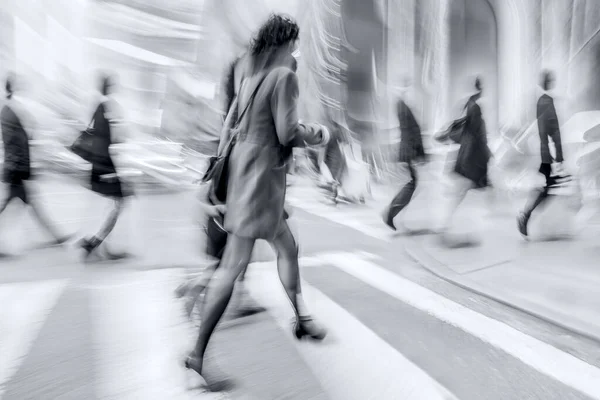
217 173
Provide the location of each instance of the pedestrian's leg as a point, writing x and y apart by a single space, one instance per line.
195 288
107 227
218 294
289 274
537 198
5 202
402 199
244 306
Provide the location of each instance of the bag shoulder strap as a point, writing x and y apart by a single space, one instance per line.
250 99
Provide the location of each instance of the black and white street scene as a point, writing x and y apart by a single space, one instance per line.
300 199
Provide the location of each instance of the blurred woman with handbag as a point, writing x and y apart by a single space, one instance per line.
257 178
104 179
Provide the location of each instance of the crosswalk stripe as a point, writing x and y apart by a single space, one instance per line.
25 307
353 363
141 337
543 357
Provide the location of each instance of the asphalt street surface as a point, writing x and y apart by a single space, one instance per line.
75 331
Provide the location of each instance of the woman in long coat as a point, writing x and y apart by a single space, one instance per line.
473 157
257 177
104 179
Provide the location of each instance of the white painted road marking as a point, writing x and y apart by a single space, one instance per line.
353 363
24 308
541 356
141 337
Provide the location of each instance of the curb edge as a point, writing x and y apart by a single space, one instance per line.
413 254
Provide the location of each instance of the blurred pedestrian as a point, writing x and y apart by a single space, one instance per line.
471 167
411 152
548 127
106 124
257 178
17 126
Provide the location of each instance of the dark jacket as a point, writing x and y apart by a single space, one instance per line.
411 142
257 169
102 163
17 164
474 153
548 127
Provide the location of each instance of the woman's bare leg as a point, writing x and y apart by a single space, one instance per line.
218 294
286 248
287 264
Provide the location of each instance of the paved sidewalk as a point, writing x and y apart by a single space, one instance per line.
555 280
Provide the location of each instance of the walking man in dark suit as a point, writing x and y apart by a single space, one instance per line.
548 127
17 162
411 151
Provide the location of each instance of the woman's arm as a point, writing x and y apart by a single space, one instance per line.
284 106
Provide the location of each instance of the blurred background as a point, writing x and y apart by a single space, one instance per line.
170 59
171 56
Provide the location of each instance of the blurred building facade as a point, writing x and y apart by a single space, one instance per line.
506 42
354 51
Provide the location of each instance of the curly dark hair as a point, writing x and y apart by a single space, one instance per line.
276 32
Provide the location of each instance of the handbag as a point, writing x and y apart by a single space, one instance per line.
83 146
217 172
453 133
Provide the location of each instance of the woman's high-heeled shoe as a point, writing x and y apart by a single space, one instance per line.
306 327
193 363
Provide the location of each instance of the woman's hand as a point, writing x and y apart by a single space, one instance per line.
214 211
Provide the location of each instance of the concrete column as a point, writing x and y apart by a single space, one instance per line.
435 31
400 31
556 33
519 66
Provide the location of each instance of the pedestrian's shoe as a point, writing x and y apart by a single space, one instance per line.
522 220
307 328
387 219
194 363
88 246
93 252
